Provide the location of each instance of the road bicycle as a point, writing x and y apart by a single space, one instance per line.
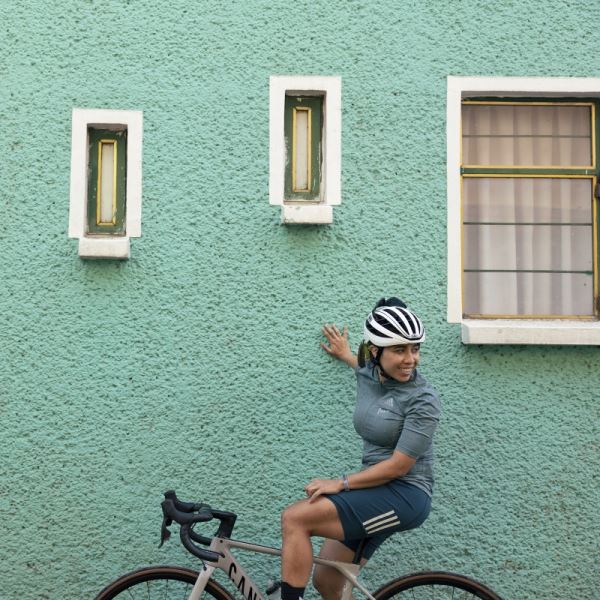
169 582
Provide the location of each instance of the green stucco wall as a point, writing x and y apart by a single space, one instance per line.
196 365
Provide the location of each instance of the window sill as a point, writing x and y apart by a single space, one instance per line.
105 247
310 214
517 331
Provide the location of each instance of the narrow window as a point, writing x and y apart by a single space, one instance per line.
529 173
303 135
305 147
107 175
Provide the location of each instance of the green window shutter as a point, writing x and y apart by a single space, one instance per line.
303 128
107 179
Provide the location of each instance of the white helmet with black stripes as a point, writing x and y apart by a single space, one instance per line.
393 326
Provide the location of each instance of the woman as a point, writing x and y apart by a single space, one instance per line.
396 415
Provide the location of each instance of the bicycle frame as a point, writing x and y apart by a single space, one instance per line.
244 583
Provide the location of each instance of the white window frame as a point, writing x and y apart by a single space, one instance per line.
503 331
330 87
105 246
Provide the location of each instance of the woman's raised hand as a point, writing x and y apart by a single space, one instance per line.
338 345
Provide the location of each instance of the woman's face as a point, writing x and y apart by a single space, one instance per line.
399 362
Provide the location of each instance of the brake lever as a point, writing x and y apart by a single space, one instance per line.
165 534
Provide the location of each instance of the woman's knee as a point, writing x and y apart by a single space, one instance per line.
291 518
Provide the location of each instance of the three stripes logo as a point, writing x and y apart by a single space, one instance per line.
384 521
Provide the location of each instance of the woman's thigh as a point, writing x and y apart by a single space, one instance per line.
381 510
319 518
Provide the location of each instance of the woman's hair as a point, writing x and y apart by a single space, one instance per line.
363 354
393 301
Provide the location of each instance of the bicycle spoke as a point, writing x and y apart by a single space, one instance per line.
160 583
159 589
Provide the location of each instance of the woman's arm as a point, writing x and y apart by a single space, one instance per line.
397 465
339 346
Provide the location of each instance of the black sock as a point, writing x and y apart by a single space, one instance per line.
291 593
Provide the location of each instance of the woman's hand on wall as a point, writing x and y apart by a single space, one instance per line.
338 345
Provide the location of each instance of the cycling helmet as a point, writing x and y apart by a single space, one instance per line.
390 323
393 326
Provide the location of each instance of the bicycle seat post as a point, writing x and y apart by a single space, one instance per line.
359 551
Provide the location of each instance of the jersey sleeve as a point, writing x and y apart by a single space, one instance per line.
419 425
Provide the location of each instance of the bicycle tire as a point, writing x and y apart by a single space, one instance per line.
160 582
435 584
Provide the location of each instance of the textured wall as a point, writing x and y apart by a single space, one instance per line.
195 365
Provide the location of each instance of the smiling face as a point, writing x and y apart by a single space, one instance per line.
399 362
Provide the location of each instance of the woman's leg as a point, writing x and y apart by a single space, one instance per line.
329 582
299 522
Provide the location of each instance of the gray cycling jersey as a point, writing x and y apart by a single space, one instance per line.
397 416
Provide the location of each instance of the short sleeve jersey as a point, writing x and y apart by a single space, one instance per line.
397 416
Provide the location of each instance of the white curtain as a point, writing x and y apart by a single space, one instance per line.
528 246
527 136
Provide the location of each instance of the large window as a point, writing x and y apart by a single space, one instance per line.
528 179
522 213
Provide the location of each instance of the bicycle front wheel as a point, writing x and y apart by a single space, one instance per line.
433 584
159 583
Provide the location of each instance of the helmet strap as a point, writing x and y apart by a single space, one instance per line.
377 362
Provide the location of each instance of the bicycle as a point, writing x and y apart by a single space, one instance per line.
168 582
